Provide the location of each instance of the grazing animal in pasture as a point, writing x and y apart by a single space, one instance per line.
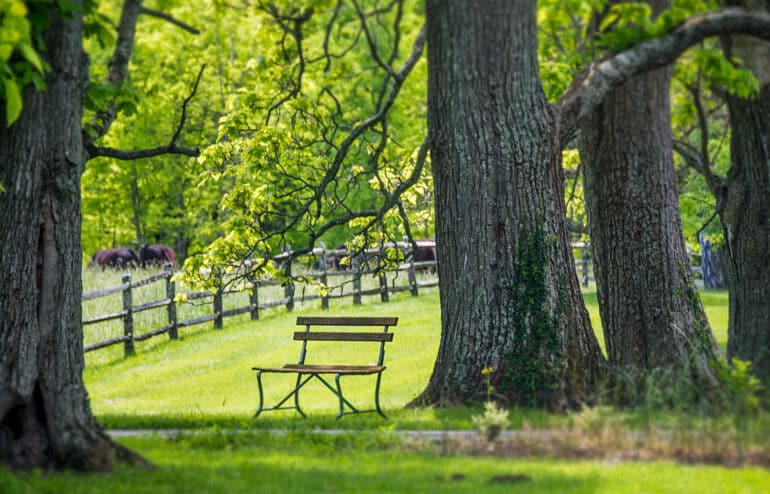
156 255
118 258
335 262
426 252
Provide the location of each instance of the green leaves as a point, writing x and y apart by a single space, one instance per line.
292 146
19 62
727 74
12 100
99 27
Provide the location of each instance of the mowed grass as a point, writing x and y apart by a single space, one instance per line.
205 378
365 463
204 382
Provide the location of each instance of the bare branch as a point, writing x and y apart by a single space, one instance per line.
170 148
707 223
692 158
118 66
142 153
328 34
713 181
185 103
591 86
371 41
291 26
358 130
168 17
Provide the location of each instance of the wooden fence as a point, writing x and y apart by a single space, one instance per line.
353 289
171 302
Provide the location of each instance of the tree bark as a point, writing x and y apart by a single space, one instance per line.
45 415
746 214
509 294
651 314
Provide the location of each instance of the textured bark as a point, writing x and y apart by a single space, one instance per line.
45 415
746 214
651 315
509 295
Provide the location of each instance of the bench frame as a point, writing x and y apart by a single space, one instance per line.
306 373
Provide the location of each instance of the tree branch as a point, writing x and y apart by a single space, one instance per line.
168 17
143 153
591 86
358 130
170 148
185 103
713 181
118 67
692 158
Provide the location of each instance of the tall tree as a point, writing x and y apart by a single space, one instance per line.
743 199
500 214
45 416
495 143
651 315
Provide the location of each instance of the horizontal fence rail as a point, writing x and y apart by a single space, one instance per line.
292 293
319 274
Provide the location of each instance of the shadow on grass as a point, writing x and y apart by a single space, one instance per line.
255 463
458 418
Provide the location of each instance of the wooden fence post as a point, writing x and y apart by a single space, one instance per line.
218 307
171 295
288 289
323 278
128 319
411 274
253 293
356 266
383 277
412 280
586 255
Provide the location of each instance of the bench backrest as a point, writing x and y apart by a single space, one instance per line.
343 323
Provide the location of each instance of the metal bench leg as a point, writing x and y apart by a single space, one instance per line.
296 396
377 396
294 392
261 397
339 395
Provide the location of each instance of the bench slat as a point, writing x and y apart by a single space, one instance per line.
336 336
347 321
323 369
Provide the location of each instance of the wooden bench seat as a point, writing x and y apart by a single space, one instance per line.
325 369
315 331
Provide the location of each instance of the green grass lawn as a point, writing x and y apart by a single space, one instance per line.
205 377
366 463
204 382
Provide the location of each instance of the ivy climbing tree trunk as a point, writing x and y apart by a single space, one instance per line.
651 315
745 216
45 415
509 295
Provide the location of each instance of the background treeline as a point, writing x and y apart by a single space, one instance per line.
178 200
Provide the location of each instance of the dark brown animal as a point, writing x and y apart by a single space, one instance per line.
156 255
426 252
334 262
118 258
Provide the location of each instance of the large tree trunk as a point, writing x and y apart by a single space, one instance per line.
651 314
509 295
45 416
746 214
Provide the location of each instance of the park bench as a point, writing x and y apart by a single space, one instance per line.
331 329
